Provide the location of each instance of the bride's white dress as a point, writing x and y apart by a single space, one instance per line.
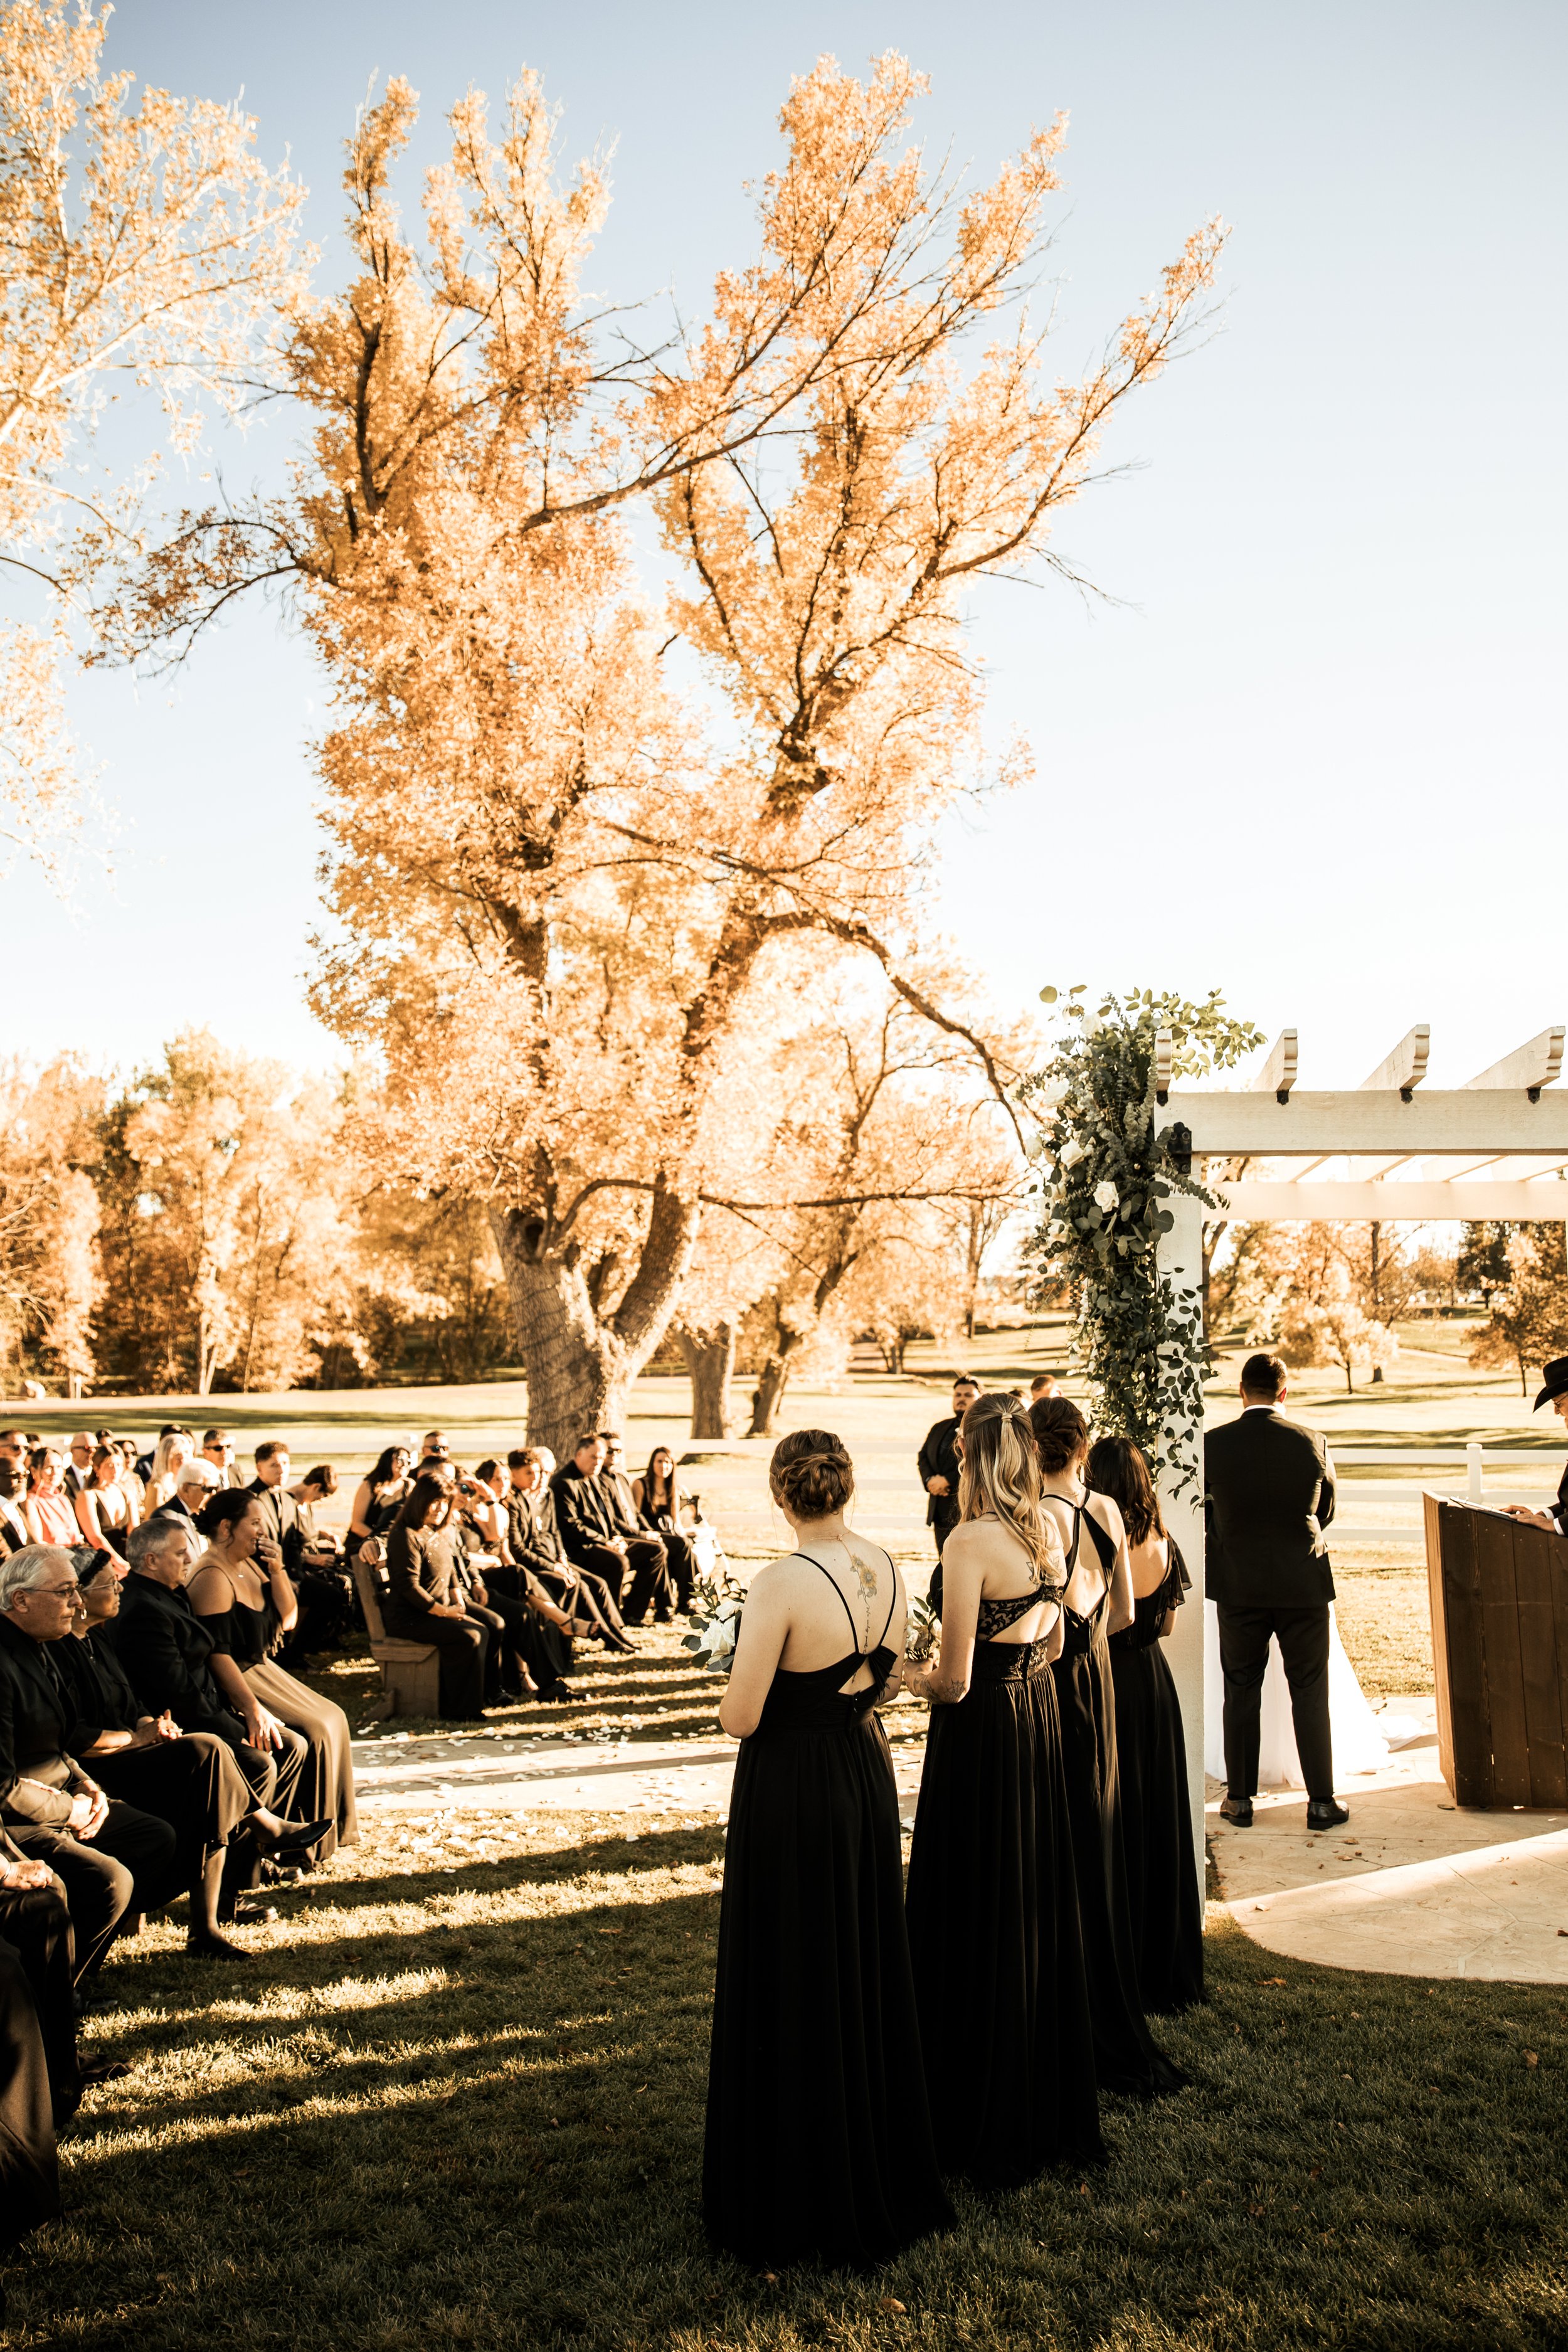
1359 1745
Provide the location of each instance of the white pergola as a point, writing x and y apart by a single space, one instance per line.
1388 1150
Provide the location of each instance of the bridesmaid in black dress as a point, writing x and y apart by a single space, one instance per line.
819 2143
992 1903
1156 1812
1097 1601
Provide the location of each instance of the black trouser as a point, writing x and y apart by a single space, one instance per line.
29 2182
635 1578
1303 1638
462 1644
37 1921
326 1600
132 1857
586 1598
544 1649
682 1565
195 1783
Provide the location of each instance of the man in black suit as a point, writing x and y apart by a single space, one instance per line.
280 1512
1268 1493
534 1548
599 1535
938 1463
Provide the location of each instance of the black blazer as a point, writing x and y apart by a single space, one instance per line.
533 1531
1268 1493
38 1776
281 1520
588 1512
938 1459
164 1649
95 1682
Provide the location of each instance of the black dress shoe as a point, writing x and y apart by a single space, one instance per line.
614 1641
1238 1811
248 1911
298 1835
562 1693
1326 1814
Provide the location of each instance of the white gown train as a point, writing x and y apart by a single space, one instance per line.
1359 1745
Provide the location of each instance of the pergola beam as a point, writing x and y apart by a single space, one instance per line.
1406 1066
1531 1066
1277 1075
1262 1202
1476 1123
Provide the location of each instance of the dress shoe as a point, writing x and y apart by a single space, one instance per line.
558 1693
213 1948
1326 1814
614 1641
248 1913
1238 1811
297 1836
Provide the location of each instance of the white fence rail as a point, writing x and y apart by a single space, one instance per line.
1473 1461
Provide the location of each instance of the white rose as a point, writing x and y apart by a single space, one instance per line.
1092 1025
1071 1153
1106 1196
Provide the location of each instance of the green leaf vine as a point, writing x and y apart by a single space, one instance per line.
1107 1172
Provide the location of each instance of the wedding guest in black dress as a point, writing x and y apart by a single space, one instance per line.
425 1594
657 1498
1163 1885
819 2144
241 1592
993 1900
1097 1602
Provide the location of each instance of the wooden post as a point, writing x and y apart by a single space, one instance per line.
1182 1260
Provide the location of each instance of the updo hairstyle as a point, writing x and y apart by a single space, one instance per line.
1060 1431
219 1518
811 1473
1000 1480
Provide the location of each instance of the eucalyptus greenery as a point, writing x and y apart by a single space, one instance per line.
1139 1335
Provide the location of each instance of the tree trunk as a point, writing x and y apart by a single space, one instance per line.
772 1382
710 1360
580 1367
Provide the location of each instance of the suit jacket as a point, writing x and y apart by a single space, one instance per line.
424 1570
533 1531
13 1533
938 1459
39 1778
1268 1493
281 1520
166 1650
588 1512
95 1684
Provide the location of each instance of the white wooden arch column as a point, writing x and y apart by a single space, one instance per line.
1409 1156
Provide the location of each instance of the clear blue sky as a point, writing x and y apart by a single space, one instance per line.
1314 754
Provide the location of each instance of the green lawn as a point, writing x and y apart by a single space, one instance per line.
457 2101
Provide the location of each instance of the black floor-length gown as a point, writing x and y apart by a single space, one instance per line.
1125 2057
1163 1896
993 1926
819 2145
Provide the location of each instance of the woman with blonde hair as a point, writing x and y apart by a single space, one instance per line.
818 2144
170 1456
992 1899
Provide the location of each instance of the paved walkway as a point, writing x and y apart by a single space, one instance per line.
1412 1885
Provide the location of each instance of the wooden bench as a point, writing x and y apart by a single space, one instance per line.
410 1671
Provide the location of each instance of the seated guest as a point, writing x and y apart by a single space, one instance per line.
217 1450
13 1521
36 1924
657 1499
194 1480
166 1653
280 1512
601 1533
47 1513
240 1590
425 1594
433 1450
105 1853
379 1496
29 2175
173 1451
130 1479
534 1633
534 1548
78 1464
102 1506
323 1586
14 1450
188 1779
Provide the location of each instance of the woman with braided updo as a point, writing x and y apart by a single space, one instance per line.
992 1899
819 2145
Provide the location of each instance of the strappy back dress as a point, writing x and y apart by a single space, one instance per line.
1124 2052
994 1927
818 2144
1163 1896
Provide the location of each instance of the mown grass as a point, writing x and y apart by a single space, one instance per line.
457 2100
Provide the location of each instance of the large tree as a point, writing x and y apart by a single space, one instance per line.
573 919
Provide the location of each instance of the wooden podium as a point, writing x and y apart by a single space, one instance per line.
1499 1646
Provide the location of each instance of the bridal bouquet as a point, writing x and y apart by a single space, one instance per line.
716 1604
921 1630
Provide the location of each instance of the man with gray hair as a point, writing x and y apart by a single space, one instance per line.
106 1854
